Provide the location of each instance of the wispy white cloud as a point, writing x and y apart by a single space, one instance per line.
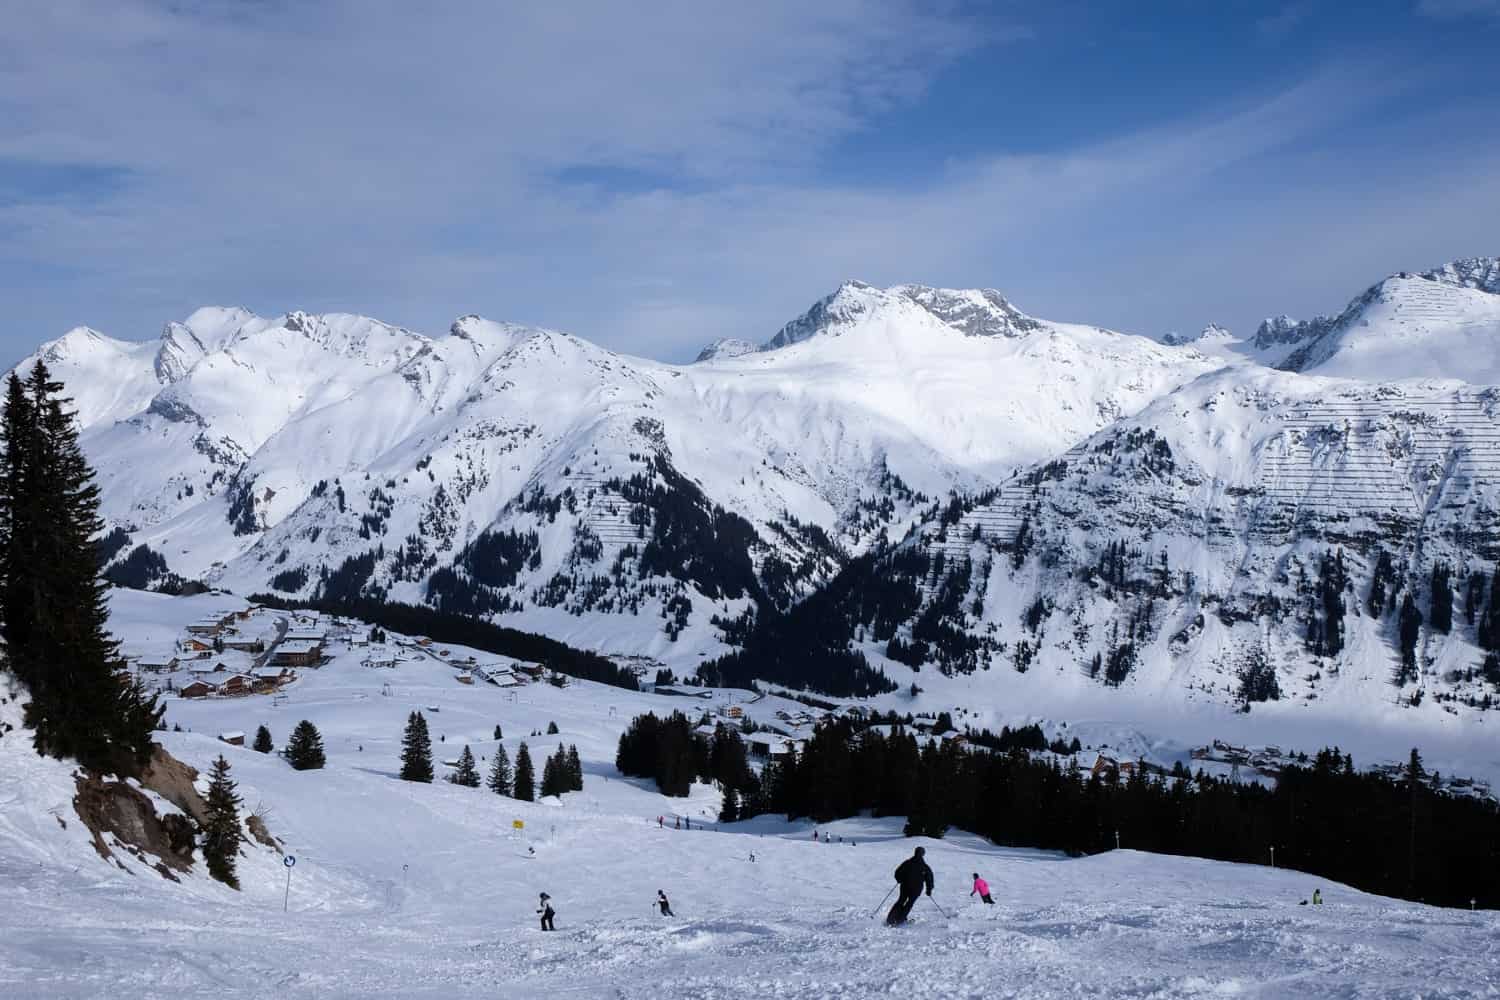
650 176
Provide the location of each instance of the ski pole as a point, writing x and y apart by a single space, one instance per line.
938 905
882 902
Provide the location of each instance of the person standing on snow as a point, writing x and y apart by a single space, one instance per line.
911 875
982 889
666 907
547 912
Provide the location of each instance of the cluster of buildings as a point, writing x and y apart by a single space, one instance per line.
1267 760
220 655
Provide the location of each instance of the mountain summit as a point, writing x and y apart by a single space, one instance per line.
996 469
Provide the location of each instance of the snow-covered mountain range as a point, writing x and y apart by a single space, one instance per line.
1071 506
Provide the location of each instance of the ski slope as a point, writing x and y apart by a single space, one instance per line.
409 890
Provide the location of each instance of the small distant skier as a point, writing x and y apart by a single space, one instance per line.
687 822
1317 897
547 912
666 907
752 857
911 875
677 822
982 889
661 822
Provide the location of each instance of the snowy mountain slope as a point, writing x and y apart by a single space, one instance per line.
403 890
1180 549
1443 323
651 509
275 452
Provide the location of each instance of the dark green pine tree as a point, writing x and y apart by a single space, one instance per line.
416 750
500 775
466 775
551 729
262 742
498 734
1489 623
730 811
221 825
1490 670
1411 631
53 600
304 749
575 769
551 779
1440 607
524 782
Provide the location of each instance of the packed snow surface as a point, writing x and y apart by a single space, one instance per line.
410 890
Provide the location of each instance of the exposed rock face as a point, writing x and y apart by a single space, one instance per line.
121 817
175 781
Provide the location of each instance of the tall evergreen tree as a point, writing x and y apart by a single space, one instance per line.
500 775
1411 631
575 769
416 750
1489 623
524 782
552 778
304 748
466 775
1440 606
1380 584
262 742
221 825
53 599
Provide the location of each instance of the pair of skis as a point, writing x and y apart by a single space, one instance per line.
893 889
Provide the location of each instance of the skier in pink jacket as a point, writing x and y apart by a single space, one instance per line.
982 889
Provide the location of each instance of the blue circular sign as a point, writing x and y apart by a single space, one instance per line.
289 861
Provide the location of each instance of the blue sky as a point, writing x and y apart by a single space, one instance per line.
654 177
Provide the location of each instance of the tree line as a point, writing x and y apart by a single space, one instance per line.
1395 835
414 619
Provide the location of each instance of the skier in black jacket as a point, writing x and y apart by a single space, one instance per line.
911 875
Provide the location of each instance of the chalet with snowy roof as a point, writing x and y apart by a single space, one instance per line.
195 644
771 746
297 653
157 664
268 679
308 634
245 644
238 685
205 626
1103 765
234 738
197 689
